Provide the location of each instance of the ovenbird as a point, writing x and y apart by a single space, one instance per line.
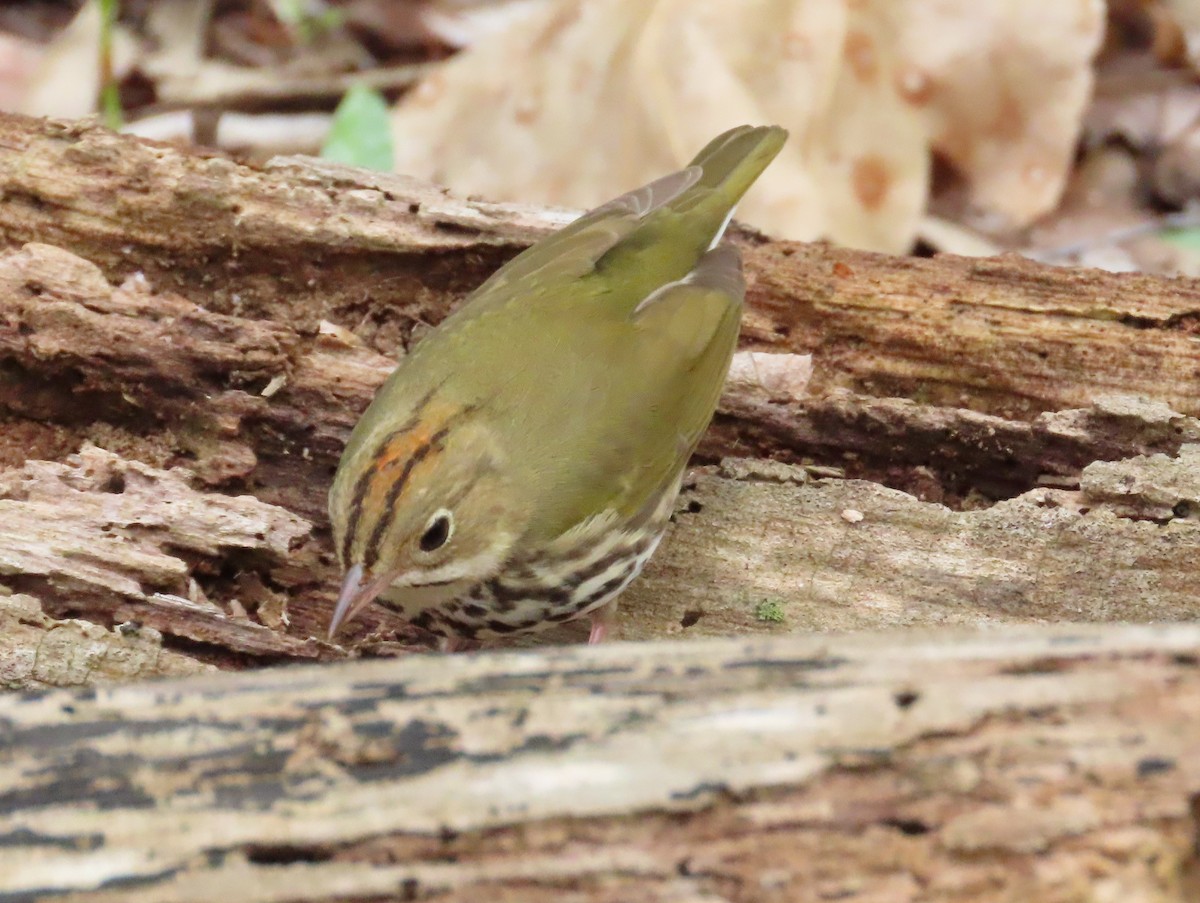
520 465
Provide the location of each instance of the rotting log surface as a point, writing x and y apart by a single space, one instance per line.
183 311
302 241
1054 764
184 345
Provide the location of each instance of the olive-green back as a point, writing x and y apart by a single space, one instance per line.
597 356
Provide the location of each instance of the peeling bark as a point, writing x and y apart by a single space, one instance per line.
230 332
756 546
1043 764
38 652
185 344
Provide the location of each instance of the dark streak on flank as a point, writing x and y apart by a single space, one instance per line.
506 596
497 626
626 552
610 585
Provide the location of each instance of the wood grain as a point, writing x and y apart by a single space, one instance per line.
225 345
1052 764
185 343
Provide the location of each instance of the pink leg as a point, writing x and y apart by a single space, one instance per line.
601 620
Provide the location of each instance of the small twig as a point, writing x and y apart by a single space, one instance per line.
110 98
232 87
1188 218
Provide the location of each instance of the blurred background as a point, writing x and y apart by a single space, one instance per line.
1068 131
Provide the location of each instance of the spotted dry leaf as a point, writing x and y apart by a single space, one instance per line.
578 101
1185 14
1005 84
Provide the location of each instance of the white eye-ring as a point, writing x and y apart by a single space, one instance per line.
438 531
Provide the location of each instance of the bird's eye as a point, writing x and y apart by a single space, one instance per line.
437 532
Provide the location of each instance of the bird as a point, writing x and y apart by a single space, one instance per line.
521 464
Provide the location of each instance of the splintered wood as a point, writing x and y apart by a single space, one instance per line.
236 333
125 543
185 344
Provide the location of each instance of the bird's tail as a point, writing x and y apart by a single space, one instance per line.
730 163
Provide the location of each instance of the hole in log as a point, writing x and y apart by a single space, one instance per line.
1152 765
286 855
911 827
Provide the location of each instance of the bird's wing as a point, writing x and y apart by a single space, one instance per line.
572 252
648 384
640 241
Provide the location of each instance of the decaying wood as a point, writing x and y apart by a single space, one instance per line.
303 240
124 542
131 546
256 401
753 550
284 249
184 312
1054 764
37 651
946 454
185 343
755 547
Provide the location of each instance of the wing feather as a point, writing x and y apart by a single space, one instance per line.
650 382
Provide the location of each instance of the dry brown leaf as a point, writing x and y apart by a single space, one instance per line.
66 82
1186 14
773 376
582 100
1140 103
1102 198
1005 85
19 60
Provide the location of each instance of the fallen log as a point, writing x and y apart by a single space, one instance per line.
301 241
1046 764
217 329
185 343
756 547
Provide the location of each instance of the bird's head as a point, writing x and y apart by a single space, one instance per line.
420 509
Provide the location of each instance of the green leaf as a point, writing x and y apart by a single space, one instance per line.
770 610
110 95
1186 239
361 134
307 20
